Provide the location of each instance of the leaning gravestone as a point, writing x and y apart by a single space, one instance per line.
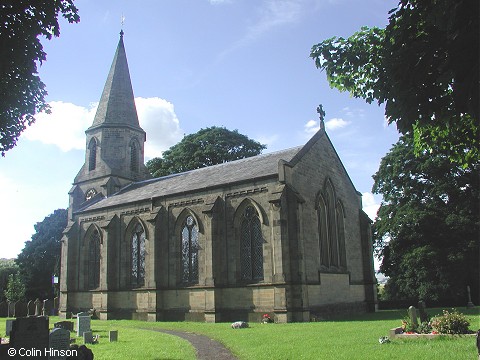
20 309
30 333
47 307
83 323
59 343
412 313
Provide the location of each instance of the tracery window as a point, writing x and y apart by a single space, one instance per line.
94 260
190 250
138 256
331 230
134 157
92 155
251 245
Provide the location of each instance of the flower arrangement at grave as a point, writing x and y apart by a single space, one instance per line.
450 322
266 319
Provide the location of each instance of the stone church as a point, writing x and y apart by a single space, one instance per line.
281 233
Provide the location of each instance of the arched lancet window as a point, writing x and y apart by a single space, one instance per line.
94 260
92 154
341 234
323 232
138 256
134 156
251 245
332 225
190 250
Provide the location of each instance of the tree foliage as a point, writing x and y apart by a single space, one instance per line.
22 22
40 258
7 267
424 66
15 290
209 146
427 225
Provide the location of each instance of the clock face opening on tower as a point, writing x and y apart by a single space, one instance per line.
90 194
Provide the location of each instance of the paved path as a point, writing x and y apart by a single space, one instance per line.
206 348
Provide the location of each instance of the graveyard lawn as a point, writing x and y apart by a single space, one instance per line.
355 337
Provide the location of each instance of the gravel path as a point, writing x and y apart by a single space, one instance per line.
206 348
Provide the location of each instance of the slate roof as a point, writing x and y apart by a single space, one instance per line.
251 168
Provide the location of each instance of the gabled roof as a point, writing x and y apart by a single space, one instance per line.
256 167
117 105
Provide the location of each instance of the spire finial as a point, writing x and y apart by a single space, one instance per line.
122 21
321 114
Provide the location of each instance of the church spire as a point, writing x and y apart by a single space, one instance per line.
117 106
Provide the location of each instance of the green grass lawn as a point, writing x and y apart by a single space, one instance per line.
349 338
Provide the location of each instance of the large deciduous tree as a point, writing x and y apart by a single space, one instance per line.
22 93
209 146
427 225
424 66
40 258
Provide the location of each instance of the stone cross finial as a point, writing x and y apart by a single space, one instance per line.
321 114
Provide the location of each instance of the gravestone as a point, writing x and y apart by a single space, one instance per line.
83 323
87 337
56 303
20 309
67 325
3 309
30 333
422 311
8 326
30 308
470 304
11 309
47 307
412 313
113 335
38 307
59 343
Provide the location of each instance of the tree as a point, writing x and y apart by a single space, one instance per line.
7 267
424 66
15 288
427 225
21 90
40 258
209 146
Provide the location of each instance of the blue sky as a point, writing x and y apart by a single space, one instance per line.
242 64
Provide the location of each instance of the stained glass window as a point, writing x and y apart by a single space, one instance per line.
94 261
190 251
251 245
138 256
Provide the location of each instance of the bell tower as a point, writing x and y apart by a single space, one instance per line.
114 155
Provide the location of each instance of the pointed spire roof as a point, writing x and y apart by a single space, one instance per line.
117 106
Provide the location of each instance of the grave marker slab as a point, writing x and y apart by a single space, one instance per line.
8 326
30 333
422 311
67 325
59 343
412 313
38 307
113 335
83 323
30 308
87 337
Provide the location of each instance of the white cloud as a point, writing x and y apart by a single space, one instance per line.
311 127
370 205
217 2
65 126
336 123
157 117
